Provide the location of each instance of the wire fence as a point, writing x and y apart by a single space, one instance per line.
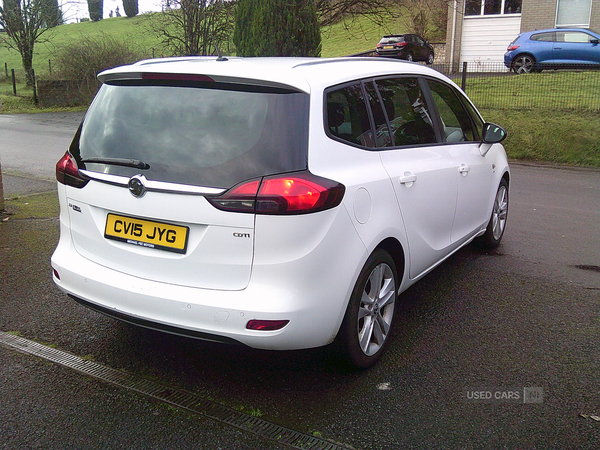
493 86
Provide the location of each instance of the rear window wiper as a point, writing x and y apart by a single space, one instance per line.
135 163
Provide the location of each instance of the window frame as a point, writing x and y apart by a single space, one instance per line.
483 7
566 24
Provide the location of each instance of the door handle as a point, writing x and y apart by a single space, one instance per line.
464 169
408 179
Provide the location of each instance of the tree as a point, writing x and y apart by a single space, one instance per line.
52 15
24 22
194 27
427 18
96 9
330 12
130 7
277 28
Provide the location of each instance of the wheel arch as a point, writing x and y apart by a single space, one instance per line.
523 54
394 248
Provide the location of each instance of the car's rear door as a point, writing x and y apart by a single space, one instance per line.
421 171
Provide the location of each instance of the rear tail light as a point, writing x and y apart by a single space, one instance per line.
400 44
67 172
294 193
510 48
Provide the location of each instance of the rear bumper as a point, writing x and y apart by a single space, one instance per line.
298 289
154 325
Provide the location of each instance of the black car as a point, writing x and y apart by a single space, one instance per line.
410 47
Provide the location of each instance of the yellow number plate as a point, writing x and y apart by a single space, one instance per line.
146 233
388 46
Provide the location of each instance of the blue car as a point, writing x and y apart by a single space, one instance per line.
552 49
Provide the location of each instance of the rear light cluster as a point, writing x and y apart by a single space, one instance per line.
67 172
295 193
510 48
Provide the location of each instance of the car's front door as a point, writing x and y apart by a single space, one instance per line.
576 47
462 126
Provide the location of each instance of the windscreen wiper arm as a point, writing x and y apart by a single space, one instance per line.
135 163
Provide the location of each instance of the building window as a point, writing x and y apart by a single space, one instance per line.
573 13
493 7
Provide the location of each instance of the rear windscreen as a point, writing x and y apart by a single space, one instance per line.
207 134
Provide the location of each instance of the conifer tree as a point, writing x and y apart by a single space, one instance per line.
277 28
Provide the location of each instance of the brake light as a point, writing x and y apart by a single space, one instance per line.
295 193
67 172
176 77
510 48
400 44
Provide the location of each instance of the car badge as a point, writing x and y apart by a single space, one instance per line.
137 186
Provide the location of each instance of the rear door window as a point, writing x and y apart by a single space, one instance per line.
407 112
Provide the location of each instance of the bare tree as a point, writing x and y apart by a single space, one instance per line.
426 18
194 27
24 22
330 12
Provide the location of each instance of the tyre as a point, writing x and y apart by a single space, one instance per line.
497 224
430 58
366 326
523 64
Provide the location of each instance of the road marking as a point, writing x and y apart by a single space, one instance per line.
177 397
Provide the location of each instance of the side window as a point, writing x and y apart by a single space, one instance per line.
457 122
546 37
574 36
407 112
382 132
347 116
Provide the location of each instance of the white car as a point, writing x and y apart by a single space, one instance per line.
273 202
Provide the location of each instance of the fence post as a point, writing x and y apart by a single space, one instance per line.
6 69
1 190
464 77
35 97
50 66
12 71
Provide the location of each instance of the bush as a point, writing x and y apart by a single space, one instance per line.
83 59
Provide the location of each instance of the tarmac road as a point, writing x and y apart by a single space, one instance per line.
524 317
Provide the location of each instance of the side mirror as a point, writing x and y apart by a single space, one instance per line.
493 134
595 41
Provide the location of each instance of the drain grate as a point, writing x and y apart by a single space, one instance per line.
177 397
